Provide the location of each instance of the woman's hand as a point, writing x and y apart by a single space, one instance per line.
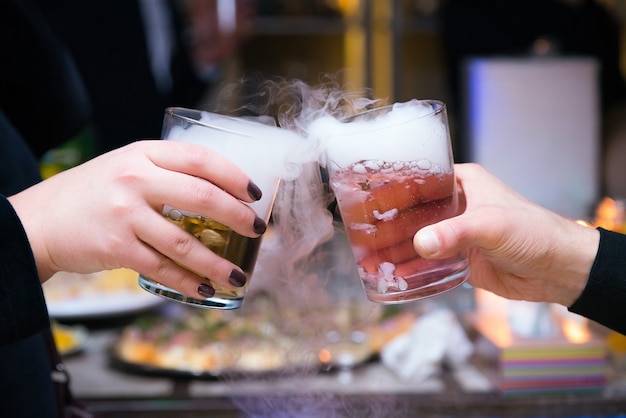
107 213
517 249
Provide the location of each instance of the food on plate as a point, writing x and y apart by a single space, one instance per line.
210 341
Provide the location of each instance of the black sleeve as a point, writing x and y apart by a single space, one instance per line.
23 309
604 298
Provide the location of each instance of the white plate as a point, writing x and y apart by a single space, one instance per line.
93 307
103 294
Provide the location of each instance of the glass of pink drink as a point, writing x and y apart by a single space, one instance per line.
392 172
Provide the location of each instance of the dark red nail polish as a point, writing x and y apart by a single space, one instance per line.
254 192
237 278
259 226
206 290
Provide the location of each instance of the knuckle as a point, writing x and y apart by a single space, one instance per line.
242 215
205 193
163 268
122 207
197 160
182 245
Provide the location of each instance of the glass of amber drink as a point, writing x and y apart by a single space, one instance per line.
392 172
257 147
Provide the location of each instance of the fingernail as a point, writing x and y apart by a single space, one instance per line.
259 226
237 278
206 290
429 241
254 192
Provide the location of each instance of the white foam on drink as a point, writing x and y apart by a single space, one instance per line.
410 131
264 151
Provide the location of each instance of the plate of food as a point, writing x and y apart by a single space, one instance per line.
247 343
208 344
73 296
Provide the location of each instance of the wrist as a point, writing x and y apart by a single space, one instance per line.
23 210
579 251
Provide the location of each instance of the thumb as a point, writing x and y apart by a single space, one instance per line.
443 239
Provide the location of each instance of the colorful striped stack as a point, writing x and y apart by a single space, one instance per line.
540 366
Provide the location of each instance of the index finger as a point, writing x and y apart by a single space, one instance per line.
200 161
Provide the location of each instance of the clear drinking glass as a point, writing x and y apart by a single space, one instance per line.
260 149
392 171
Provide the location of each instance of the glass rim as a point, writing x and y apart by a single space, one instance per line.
185 113
437 107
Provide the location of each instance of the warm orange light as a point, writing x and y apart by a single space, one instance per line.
348 7
324 356
575 332
492 318
497 329
611 214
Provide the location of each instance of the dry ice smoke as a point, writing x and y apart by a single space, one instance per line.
294 266
408 134
294 103
298 268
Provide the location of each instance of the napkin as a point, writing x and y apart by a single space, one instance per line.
435 337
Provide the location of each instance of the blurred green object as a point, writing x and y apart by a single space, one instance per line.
72 153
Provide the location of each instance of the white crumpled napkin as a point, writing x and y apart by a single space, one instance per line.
436 336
